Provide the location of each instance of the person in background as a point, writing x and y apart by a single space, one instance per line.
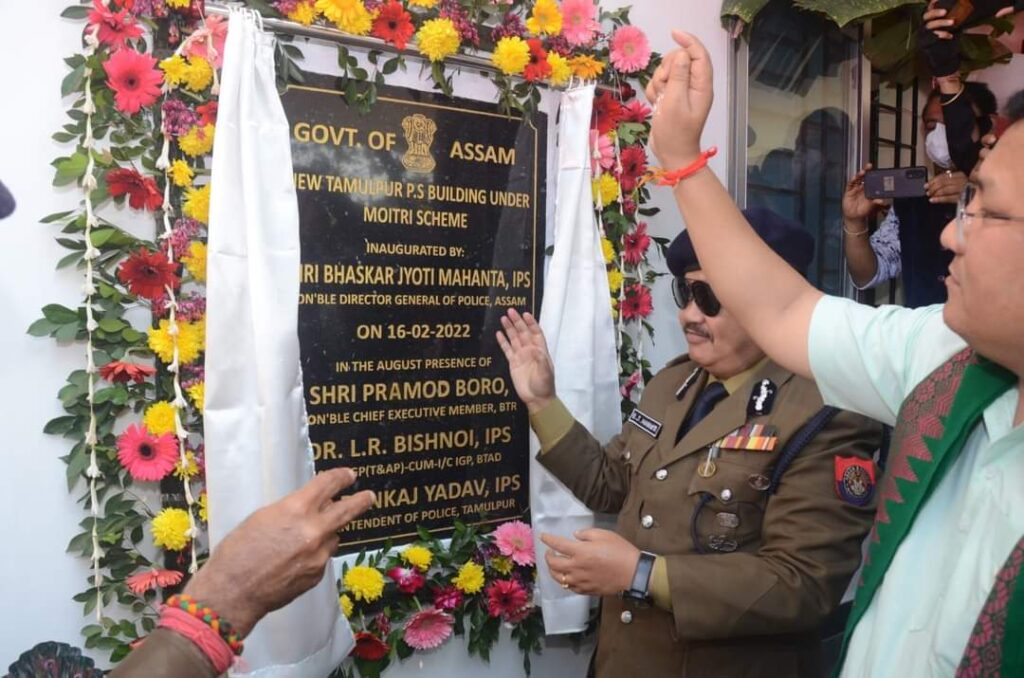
742 503
6 202
274 556
941 590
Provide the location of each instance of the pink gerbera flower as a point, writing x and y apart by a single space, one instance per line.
579 22
151 579
635 244
114 28
627 389
146 456
428 628
134 78
637 303
408 579
198 43
505 598
636 111
630 51
447 598
603 150
514 539
634 163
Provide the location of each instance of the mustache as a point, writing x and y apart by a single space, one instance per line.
697 328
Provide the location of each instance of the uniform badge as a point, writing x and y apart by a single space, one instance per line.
648 425
855 480
762 397
752 438
681 391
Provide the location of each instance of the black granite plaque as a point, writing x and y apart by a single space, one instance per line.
420 224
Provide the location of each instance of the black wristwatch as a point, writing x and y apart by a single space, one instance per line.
639 589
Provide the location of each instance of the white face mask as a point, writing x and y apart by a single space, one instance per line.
937 148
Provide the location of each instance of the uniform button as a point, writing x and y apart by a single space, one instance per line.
626 455
661 474
726 494
626 617
647 522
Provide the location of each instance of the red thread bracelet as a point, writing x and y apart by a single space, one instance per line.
206 615
673 178
201 634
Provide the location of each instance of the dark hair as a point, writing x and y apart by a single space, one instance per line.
1015 107
983 98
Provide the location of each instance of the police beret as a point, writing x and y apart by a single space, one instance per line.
786 237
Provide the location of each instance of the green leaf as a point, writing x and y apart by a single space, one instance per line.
60 425
42 328
73 81
69 259
112 325
56 216
67 332
131 335
60 315
77 12
77 464
69 169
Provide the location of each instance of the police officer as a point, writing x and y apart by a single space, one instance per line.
742 501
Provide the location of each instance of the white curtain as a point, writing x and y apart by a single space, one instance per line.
577 322
257 442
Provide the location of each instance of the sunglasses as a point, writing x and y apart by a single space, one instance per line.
684 291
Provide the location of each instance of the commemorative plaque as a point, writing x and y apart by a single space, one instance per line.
420 224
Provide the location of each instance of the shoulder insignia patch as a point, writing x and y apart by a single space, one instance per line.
855 480
762 397
648 425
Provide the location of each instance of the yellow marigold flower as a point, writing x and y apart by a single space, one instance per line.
586 66
199 74
191 340
615 309
502 564
190 469
350 16
180 173
560 71
197 392
365 583
418 556
606 189
159 418
197 141
607 250
422 3
175 69
346 605
438 39
511 55
204 507
197 203
304 13
195 260
470 579
170 529
615 280
545 18
179 4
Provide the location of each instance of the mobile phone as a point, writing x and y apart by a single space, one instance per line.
957 10
902 182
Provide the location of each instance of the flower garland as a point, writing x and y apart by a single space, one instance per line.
142 122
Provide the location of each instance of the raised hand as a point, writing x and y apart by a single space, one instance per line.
857 207
529 363
682 92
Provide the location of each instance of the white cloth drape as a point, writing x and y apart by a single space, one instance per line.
577 322
257 442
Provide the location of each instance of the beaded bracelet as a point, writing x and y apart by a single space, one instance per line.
206 614
673 178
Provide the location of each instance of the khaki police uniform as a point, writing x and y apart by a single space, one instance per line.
767 568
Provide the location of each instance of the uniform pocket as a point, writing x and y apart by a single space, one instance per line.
638 445
732 502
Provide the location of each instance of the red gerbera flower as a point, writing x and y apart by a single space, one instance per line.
635 244
369 647
146 456
634 163
143 193
393 24
120 372
636 111
505 597
207 114
115 28
447 598
538 68
134 78
607 112
409 579
637 303
151 579
146 274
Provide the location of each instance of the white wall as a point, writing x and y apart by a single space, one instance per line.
37 579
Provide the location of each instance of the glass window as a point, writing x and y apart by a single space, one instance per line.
803 124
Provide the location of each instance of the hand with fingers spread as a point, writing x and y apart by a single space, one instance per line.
682 93
857 207
597 563
529 363
279 552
